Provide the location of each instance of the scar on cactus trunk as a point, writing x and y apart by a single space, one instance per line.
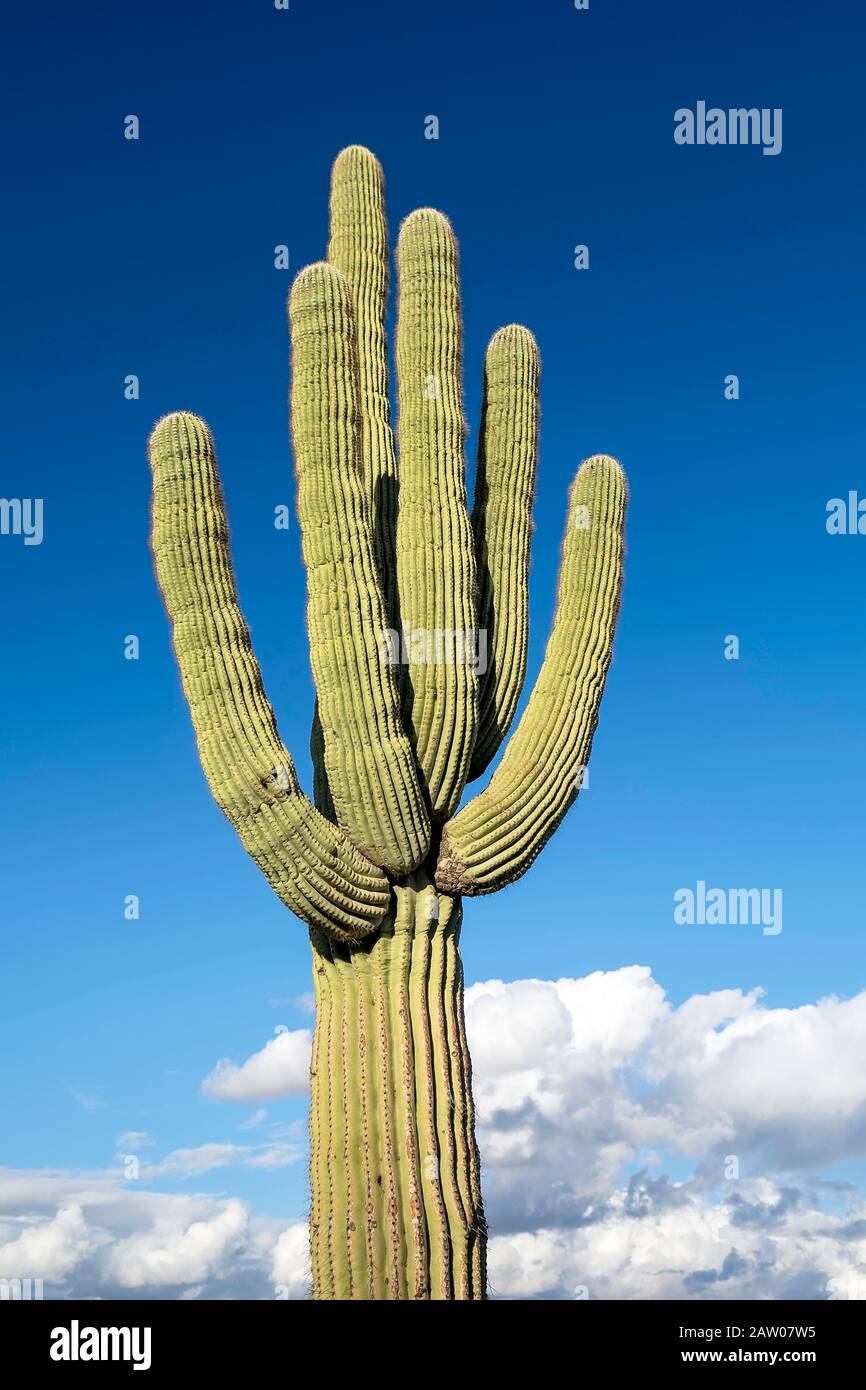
396 1190
379 865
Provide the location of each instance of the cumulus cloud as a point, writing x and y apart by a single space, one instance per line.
48 1250
281 1068
94 1236
176 1251
691 1248
574 1078
585 1088
792 1082
290 1268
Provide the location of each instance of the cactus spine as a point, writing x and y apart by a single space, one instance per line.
377 868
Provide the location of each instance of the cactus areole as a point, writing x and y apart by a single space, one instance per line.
379 865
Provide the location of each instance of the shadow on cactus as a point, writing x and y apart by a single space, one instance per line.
405 588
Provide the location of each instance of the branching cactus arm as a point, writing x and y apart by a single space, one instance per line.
494 839
311 865
369 762
358 248
502 530
435 558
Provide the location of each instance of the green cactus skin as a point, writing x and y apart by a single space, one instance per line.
379 866
502 529
313 868
358 246
496 837
395 1177
436 575
370 768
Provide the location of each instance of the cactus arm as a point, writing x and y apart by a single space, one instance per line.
494 839
312 866
369 761
358 246
502 529
435 559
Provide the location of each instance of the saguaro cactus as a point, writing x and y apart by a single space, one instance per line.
406 588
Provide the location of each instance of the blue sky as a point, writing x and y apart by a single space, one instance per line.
155 257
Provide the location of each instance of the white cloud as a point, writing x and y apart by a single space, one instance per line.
132 1140
584 1088
693 1248
574 1078
791 1081
291 1261
276 1152
281 1068
174 1251
275 1156
48 1250
253 1121
96 1236
183 1163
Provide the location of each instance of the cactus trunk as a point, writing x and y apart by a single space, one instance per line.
396 1197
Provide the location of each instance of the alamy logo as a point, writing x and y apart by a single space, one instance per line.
846 516
20 1290
22 516
737 126
76 1343
729 907
434 647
